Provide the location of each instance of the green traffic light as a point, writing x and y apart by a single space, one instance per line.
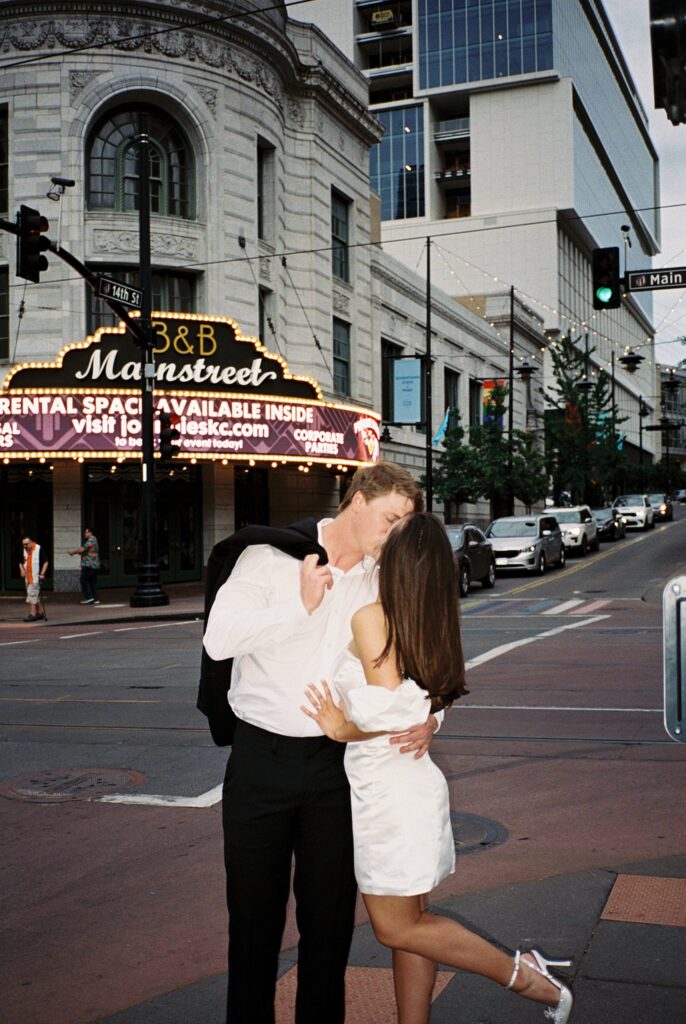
603 294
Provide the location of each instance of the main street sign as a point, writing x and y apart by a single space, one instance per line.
650 280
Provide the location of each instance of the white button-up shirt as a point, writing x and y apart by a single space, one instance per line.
258 619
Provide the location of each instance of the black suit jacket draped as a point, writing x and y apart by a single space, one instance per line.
297 540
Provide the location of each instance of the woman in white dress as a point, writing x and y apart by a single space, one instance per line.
405 661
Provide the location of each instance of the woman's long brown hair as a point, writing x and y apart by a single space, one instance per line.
419 596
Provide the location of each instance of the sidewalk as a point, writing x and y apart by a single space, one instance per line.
624 928
186 601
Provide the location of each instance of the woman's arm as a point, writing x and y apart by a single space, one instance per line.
331 719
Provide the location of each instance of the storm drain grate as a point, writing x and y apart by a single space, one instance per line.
472 833
58 785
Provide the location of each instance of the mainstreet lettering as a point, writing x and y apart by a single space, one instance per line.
198 372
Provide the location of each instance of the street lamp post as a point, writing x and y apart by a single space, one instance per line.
643 411
148 592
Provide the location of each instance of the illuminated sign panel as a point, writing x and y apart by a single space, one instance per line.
250 406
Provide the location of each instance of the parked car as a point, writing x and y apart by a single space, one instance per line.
636 511
527 542
579 528
609 522
662 507
680 496
473 556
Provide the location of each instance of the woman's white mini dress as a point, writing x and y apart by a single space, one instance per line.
402 835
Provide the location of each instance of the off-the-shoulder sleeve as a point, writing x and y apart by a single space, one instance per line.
376 709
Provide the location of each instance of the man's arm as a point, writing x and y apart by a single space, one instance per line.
247 615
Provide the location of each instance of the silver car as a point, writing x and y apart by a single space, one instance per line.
527 542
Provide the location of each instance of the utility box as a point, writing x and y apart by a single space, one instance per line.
674 652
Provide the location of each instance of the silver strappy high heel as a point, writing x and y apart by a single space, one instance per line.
557 1014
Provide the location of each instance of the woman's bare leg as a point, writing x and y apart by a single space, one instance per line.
400 922
414 978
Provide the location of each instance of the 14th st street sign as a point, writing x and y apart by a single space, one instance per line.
649 280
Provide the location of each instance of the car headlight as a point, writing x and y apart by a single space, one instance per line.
663 508
624 519
574 532
528 551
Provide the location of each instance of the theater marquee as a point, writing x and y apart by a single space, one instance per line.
233 398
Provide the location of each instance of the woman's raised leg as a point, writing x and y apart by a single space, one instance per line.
401 923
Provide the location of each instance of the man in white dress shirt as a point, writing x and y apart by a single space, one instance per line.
286 623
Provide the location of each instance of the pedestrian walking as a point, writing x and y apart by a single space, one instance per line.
404 662
285 622
33 569
90 563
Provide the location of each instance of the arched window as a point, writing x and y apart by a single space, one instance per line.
113 163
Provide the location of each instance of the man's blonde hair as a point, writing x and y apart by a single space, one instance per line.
383 478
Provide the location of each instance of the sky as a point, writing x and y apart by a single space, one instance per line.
631 23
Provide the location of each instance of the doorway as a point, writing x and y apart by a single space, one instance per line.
113 511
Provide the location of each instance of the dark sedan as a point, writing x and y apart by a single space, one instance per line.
610 523
473 556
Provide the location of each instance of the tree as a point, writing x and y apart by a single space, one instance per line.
529 471
581 439
456 474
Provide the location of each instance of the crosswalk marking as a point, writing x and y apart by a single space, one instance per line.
519 607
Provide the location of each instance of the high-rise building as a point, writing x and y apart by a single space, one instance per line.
513 136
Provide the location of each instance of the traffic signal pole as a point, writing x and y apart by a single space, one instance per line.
148 592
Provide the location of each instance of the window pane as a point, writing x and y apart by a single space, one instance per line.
113 163
341 357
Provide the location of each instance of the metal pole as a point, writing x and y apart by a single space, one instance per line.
614 431
427 384
148 592
640 440
510 411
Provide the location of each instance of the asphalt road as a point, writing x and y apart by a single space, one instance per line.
560 744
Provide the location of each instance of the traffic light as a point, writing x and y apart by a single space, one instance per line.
607 292
168 434
31 244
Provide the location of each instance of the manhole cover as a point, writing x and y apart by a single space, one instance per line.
61 784
473 833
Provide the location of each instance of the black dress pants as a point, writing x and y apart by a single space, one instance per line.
283 798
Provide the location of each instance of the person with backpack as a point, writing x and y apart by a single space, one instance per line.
283 616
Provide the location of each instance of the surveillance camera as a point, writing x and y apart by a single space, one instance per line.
64 182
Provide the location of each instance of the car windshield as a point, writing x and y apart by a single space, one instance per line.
512 528
456 537
657 498
630 499
567 517
603 512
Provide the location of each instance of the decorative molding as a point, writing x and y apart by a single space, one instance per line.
208 95
160 244
341 302
295 110
131 35
78 80
265 265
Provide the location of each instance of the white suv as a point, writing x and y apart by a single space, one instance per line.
636 510
579 528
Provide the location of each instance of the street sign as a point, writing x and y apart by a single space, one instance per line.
118 292
650 280
674 652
